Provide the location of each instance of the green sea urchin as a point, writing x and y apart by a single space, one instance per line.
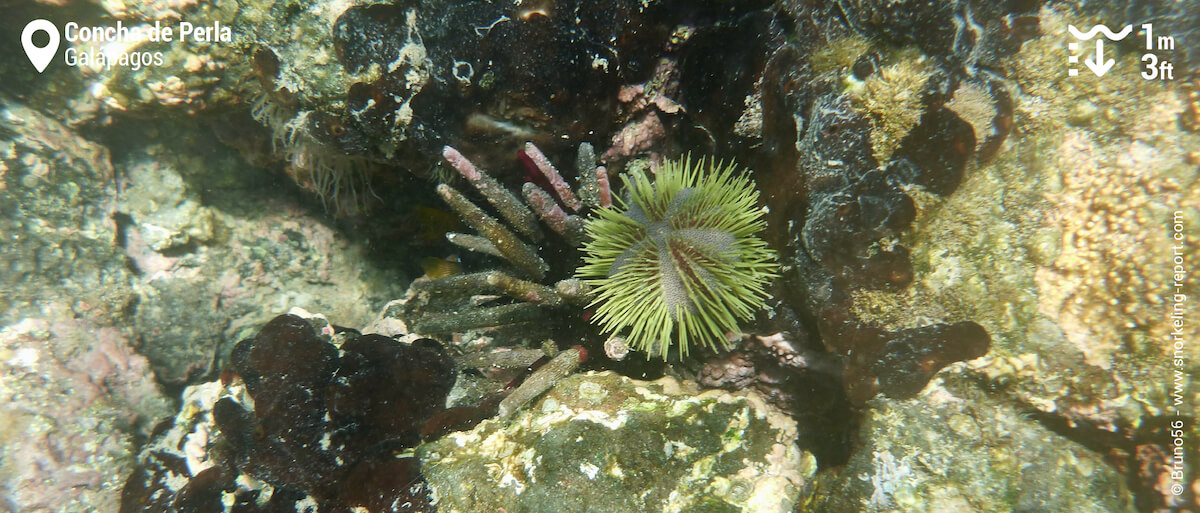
678 260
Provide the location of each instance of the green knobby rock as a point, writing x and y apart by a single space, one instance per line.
604 442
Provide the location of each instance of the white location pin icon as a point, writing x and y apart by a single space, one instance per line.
40 57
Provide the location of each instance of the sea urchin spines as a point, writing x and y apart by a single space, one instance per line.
678 261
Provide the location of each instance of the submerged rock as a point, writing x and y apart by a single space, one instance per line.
167 214
217 245
1060 248
603 442
74 399
300 422
953 449
56 199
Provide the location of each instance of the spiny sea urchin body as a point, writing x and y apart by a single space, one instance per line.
678 261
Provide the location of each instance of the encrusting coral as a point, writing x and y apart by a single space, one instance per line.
679 263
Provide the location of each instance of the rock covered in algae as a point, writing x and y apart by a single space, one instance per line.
603 442
953 449
166 213
1060 246
300 424
56 190
130 74
210 247
74 399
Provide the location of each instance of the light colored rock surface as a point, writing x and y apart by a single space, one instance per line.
56 201
952 449
603 442
72 397
220 247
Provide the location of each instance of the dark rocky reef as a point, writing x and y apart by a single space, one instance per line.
486 72
962 33
838 213
838 210
329 427
855 210
798 376
492 76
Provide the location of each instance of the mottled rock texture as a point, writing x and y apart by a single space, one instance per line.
603 442
56 197
953 449
74 399
1060 247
